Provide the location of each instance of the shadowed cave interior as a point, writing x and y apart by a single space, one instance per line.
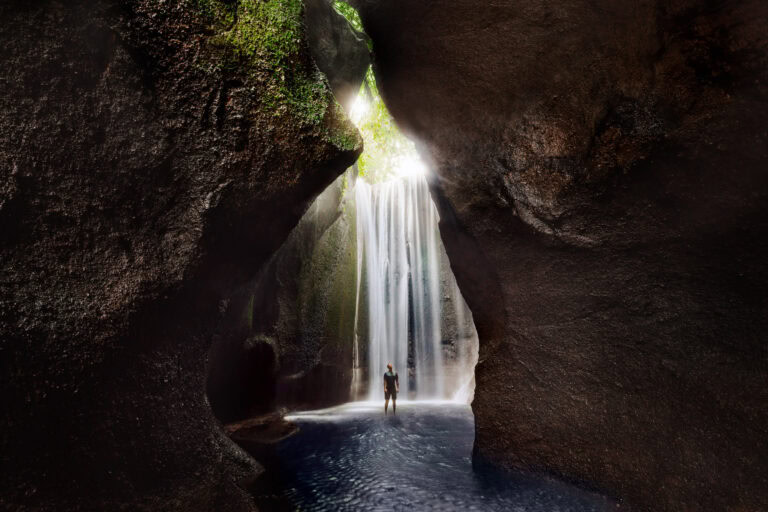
219 219
363 280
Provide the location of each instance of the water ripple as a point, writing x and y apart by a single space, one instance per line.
352 458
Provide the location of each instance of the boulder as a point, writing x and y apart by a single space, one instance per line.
340 51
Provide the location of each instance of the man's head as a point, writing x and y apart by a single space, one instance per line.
389 366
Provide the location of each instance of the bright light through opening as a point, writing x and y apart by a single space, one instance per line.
410 165
387 153
360 109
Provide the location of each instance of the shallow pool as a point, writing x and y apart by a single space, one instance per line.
352 457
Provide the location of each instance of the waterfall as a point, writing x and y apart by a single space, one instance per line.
397 237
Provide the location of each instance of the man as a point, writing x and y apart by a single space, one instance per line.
391 387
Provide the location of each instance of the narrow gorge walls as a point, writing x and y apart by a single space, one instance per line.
362 280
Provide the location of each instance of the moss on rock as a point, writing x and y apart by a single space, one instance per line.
267 39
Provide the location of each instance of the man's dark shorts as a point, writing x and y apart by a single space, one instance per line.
387 394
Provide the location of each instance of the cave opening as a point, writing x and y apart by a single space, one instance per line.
190 295
364 280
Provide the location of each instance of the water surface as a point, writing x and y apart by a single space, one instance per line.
352 458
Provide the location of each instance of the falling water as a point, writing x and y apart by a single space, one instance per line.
397 248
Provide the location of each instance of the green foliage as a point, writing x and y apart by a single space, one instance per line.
343 135
306 96
350 13
264 36
385 145
271 29
344 186
352 16
344 141
216 11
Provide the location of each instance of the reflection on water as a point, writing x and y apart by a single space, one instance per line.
354 458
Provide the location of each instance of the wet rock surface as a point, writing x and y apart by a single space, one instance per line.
266 430
295 347
602 189
354 458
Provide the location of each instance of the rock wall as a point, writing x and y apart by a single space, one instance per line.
296 326
293 325
602 189
153 156
326 320
458 335
338 49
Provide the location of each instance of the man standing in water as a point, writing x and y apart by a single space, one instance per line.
391 387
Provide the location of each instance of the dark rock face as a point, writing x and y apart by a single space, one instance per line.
602 188
339 51
316 339
150 166
300 310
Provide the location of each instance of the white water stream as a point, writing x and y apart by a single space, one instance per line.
399 259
